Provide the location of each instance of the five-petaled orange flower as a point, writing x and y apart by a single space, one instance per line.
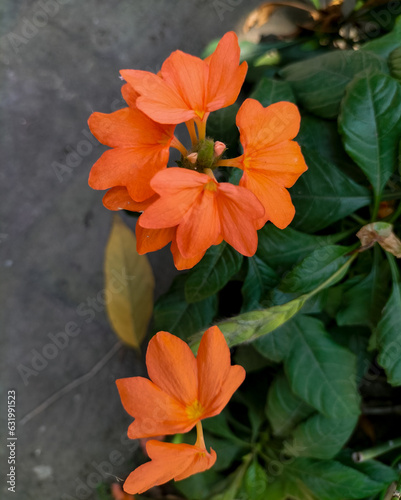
189 88
271 161
204 211
182 390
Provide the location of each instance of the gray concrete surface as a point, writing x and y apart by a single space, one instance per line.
56 68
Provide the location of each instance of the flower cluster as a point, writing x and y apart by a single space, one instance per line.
187 205
182 391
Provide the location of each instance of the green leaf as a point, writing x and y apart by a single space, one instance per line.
372 468
394 62
198 486
252 325
320 371
174 314
315 269
370 123
331 480
362 304
255 481
274 346
258 280
285 247
284 409
212 273
389 337
324 194
221 127
269 91
129 285
319 83
226 451
322 437
383 45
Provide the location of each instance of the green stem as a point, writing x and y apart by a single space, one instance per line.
376 451
358 219
395 274
230 494
376 207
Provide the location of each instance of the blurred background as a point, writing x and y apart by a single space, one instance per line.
60 61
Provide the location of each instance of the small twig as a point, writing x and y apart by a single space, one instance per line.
72 385
362 456
385 410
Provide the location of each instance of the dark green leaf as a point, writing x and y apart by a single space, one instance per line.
394 62
259 279
322 137
284 409
285 247
274 346
172 312
331 480
322 437
256 481
383 45
324 194
355 338
198 486
212 273
319 83
370 123
372 468
320 371
362 304
269 91
315 269
225 449
389 337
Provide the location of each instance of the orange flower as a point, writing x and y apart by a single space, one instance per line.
169 461
183 389
189 88
203 211
271 161
140 148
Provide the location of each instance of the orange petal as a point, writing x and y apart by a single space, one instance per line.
262 127
169 461
114 129
275 198
234 379
283 163
181 262
117 198
129 94
178 189
172 366
155 411
122 167
150 240
213 360
200 227
157 99
225 75
239 210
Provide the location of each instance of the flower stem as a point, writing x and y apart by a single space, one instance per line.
231 162
176 144
396 214
200 440
201 125
192 132
370 453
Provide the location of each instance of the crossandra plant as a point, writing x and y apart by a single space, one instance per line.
283 212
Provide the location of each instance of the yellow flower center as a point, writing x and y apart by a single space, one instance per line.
210 186
195 410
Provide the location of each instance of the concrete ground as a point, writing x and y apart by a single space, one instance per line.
59 62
